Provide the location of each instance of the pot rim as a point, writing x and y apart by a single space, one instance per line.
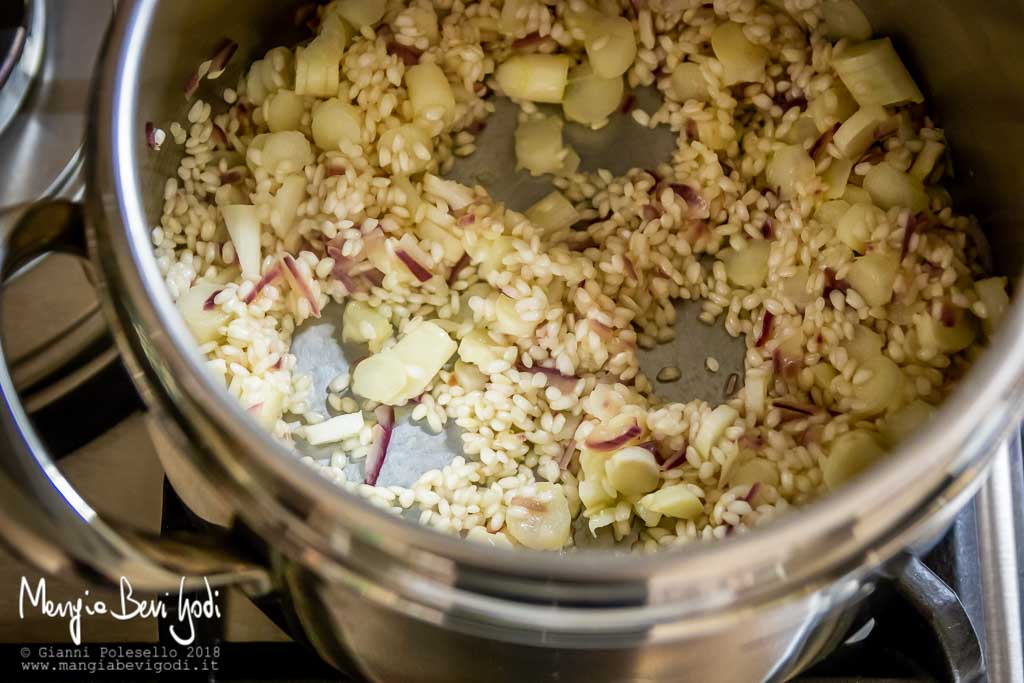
862 523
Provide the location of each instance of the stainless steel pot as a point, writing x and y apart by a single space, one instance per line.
407 604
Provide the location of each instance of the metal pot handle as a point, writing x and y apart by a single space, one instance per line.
42 518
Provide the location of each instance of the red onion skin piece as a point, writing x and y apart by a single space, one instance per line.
151 136
675 459
459 266
267 278
755 488
379 445
628 103
619 441
209 304
564 383
530 40
766 329
298 281
821 144
409 56
222 55
415 267
802 409
630 270
570 446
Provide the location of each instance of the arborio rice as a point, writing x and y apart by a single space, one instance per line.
801 206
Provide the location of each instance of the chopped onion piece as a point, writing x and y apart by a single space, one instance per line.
855 227
318 65
789 166
866 344
873 275
875 75
362 324
633 471
360 13
884 388
678 502
538 517
478 348
754 471
890 187
926 159
430 93
380 378
299 281
553 213
849 455
747 268
335 122
456 195
589 98
508 320
946 338
844 19
858 132
423 351
833 106
610 45
469 376
286 204
243 226
992 293
688 83
539 146
283 110
450 244
712 426
204 321
333 430
379 441
409 157
285 152
610 437
742 61
535 77
756 387
901 425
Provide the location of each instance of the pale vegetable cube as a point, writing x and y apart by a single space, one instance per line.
856 226
849 455
430 93
539 518
754 471
856 195
450 244
633 471
837 177
512 20
589 98
286 204
539 146
480 289
269 410
756 389
873 275
469 376
789 166
318 65
535 77
285 152
411 195
858 132
866 344
803 133
742 60
900 425
283 111
479 534
243 224
362 324
423 351
478 348
890 187
688 83
335 122
570 164
795 289
844 19
709 132
677 502
333 430
610 46
456 195
747 268
489 253
360 13
946 338
593 494
204 320
884 388
874 74
552 213
992 293
592 463
380 378
712 426
925 162
830 213
823 375
833 106
509 321
409 147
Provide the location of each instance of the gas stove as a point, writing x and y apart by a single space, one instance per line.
953 617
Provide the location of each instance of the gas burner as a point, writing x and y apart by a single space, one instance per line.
22 29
